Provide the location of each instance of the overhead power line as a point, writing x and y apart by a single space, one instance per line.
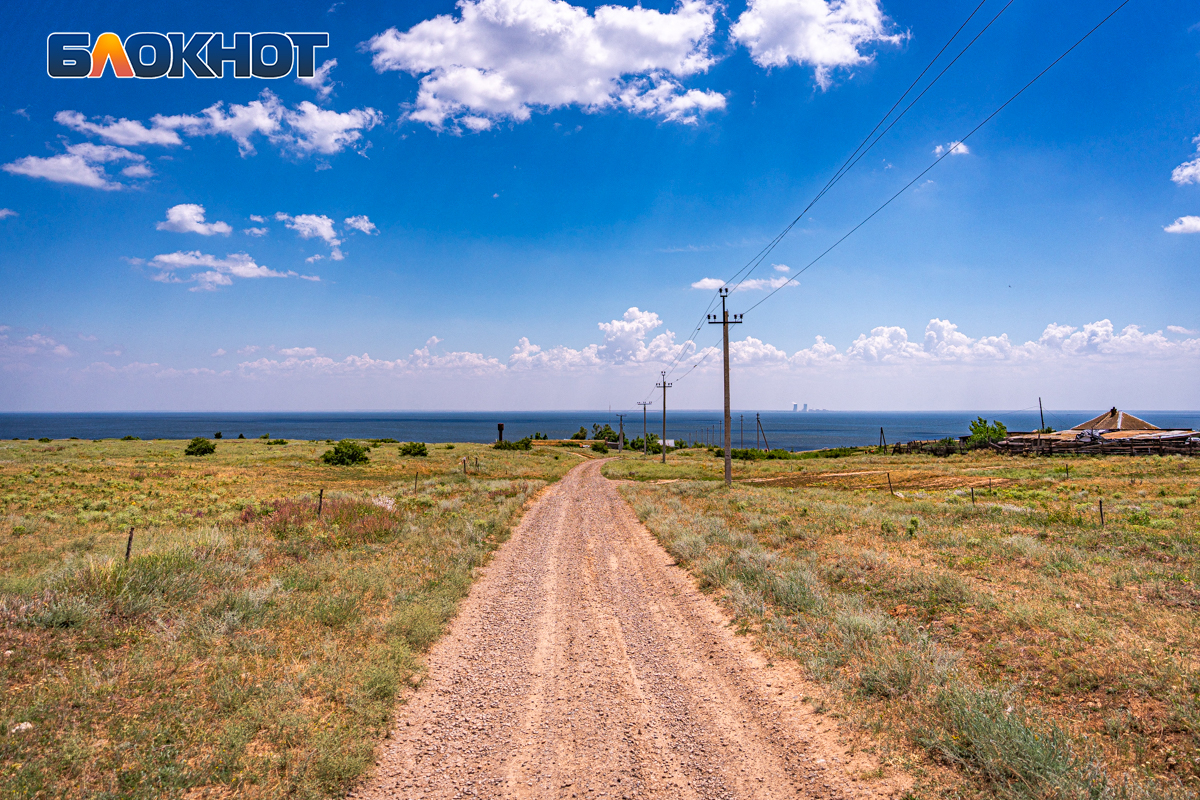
861 151
850 161
938 160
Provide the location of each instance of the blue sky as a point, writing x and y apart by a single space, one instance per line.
524 193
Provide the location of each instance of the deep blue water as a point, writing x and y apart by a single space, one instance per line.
789 430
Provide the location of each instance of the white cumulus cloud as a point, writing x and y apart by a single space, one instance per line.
81 165
189 218
954 148
501 59
317 130
5 213
122 131
361 223
823 35
1184 225
314 226
209 272
320 81
1188 171
304 130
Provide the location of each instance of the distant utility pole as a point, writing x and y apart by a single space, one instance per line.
724 322
742 422
645 435
621 435
664 386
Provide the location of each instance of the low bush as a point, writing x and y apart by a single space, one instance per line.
749 454
600 446
346 453
277 441
200 447
519 444
414 449
44 440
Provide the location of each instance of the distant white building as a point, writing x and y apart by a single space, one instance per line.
795 406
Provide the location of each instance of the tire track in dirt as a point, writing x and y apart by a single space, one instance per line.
584 664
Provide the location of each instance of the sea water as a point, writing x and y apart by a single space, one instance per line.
790 430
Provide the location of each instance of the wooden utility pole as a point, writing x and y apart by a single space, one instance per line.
758 422
621 435
664 386
1041 414
724 322
645 433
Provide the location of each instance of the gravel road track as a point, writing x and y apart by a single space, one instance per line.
584 664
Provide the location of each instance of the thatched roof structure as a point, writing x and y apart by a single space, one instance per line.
1114 420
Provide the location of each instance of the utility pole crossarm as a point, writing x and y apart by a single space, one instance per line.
725 320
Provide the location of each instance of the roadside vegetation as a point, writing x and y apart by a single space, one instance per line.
249 646
980 620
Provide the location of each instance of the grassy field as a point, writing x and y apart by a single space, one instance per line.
1004 644
249 647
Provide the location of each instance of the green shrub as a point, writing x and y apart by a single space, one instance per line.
265 436
580 434
44 440
200 447
519 444
414 449
600 446
130 438
982 432
389 440
277 441
241 436
346 453
606 434
217 435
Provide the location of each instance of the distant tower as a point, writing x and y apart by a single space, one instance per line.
806 406
795 407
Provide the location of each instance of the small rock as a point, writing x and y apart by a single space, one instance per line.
21 727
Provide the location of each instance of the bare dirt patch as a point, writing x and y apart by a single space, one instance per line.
878 479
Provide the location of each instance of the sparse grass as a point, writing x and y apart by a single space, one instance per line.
1012 638
249 646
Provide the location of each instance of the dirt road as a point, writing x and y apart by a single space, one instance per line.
585 665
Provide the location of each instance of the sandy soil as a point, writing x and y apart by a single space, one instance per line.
584 664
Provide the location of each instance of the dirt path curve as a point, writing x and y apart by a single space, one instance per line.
584 665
